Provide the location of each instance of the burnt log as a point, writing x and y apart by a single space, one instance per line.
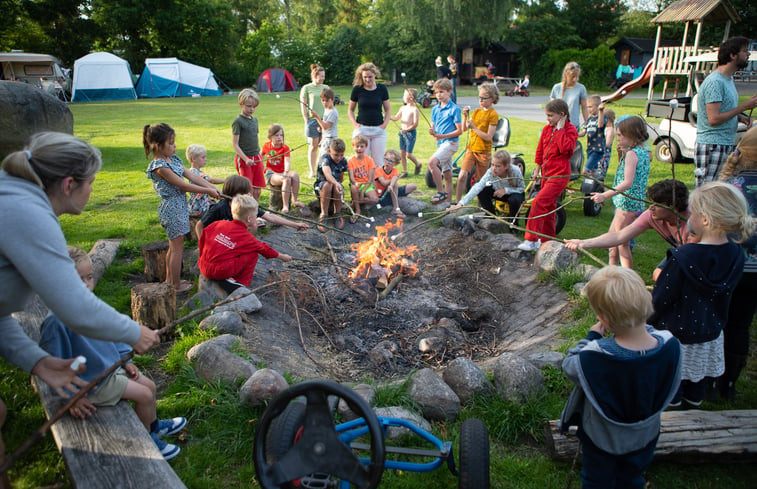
153 305
685 436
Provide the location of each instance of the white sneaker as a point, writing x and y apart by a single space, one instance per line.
530 245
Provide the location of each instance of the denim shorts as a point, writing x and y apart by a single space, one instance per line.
407 141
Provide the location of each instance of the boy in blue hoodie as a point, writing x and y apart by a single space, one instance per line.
623 382
125 383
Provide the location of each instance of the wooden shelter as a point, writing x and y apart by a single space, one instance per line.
669 61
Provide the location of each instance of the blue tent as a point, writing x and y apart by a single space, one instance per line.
102 76
171 77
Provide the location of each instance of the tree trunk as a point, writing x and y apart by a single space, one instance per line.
153 305
154 255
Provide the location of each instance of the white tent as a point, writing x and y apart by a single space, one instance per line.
171 77
102 76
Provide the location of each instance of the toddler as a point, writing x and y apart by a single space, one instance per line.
198 158
408 115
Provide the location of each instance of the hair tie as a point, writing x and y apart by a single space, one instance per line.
737 152
28 154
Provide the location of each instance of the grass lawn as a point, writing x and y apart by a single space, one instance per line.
217 450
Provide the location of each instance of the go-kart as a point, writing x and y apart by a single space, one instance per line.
426 96
301 444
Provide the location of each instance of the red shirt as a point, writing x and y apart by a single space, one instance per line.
275 156
555 148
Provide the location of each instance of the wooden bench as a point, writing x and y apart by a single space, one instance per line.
109 450
685 436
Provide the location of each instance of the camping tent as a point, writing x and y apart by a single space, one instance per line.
276 80
171 77
102 76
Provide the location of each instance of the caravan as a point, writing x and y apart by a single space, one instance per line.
41 70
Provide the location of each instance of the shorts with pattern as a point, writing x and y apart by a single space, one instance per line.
709 160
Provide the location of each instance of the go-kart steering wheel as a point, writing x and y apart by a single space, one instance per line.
319 449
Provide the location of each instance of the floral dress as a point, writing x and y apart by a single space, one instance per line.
638 188
198 203
173 210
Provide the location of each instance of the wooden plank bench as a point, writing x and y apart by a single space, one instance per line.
685 436
109 450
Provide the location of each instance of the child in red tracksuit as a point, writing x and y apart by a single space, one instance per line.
556 145
228 249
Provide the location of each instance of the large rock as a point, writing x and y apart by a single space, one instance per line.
410 206
28 110
504 242
437 400
553 256
515 379
367 392
467 379
217 364
544 359
262 386
227 322
248 304
405 414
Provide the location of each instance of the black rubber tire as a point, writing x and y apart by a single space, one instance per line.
426 102
430 179
283 431
591 208
561 217
666 153
474 455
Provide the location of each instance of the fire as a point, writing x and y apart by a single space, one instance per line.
379 256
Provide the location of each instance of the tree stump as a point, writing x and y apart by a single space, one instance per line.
276 200
154 255
193 220
153 305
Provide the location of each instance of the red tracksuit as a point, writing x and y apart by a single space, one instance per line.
553 154
228 250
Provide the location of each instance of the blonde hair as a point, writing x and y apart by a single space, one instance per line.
49 157
78 255
443 84
194 150
358 80
242 206
596 99
394 153
359 138
744 158
570 66
725 207
619 296
610 114
273 129
413 93
246 94
314 70
491 90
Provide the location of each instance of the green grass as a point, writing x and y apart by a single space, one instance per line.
217 451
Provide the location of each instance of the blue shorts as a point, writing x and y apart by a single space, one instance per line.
593 160
407 141
386 197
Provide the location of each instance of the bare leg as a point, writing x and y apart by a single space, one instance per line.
436 173
286 194
403 156
448 184
412 158
295 179
255 193
462 179
144 402
313 155
173 261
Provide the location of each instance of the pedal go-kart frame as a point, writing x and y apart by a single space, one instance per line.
297 444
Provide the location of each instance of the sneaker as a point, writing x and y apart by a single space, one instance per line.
168 450
169 427
530 245
229 285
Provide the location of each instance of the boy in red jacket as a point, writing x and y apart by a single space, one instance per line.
229 249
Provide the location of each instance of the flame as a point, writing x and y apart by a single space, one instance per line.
380 256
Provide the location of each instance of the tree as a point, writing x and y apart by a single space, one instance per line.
594 20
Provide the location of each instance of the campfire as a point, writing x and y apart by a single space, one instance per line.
380 261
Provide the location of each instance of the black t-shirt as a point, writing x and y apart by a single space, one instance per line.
370 104
220 211
443 72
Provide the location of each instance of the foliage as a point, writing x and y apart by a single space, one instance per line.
594 20
596 65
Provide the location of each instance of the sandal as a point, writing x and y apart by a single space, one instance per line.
320 225
418 168
339 222
297 203
438 198
398 213
261 222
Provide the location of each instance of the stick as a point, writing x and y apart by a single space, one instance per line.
394 282
40 433
167 329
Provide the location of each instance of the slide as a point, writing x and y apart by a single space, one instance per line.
632 85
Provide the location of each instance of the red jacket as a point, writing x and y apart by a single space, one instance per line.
555 149
227 249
